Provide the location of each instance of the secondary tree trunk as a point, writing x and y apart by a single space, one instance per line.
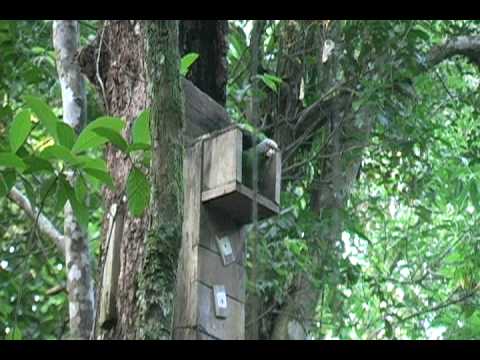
66 39
208 38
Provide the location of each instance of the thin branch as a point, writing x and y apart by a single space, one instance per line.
44 225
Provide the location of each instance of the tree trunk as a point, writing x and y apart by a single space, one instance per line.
118 56
147 263
66 39
166 122
208 38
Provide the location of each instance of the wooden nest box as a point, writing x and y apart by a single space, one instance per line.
223 188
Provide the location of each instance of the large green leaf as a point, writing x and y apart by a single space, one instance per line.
138 192
81 191
10 160
141 129
79 209
7 180
59 152
89 139
138 146
61 194
20 129
48 188
93 163
186 62
113 136
101 175
37 164
66 135
44 114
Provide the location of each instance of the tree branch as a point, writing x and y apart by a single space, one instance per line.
44 225
468 46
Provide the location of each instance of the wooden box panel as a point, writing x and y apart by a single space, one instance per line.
231 328
222 177
212 272
222 159
237 200
218 224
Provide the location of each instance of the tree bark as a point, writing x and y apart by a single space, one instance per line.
208 38
66 39
121 80
166 122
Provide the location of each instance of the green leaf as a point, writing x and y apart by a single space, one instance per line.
61 194
44 114
474 194
273 78
48 188
10 160
101 175
388 329
269 82
66 135
36 164
141 129
7 180
88 139
20 129
138 146
59 152
88 162
113 136
138 192
81 187
79 209
186 62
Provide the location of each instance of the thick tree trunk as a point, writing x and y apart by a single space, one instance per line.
166 123
66 39
147 263
121 82
208 38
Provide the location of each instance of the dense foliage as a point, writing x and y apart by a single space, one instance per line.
406 264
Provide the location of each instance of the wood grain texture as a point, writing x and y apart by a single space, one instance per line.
212 272
220 160
108 296
185 315
231 328
218 223
236 200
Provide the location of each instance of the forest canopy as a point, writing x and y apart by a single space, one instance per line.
377 236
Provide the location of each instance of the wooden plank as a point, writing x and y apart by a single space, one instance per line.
236 200
212 272
220 159
185 314
202 114
217 223
278 177
231 328
272 183
108 297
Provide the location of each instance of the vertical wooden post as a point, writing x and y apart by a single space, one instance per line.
201 267
211 276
